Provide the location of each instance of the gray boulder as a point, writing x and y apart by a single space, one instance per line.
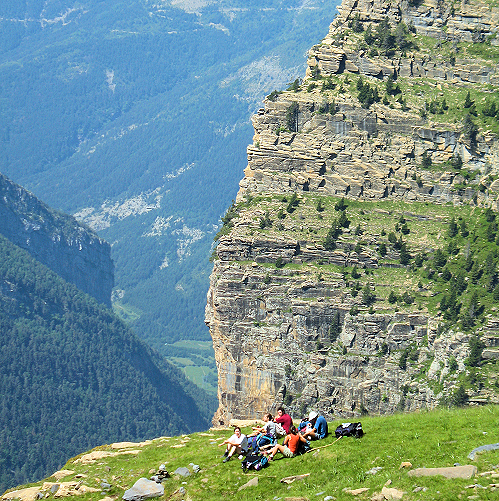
182 471
143 489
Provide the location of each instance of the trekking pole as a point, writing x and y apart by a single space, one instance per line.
332 443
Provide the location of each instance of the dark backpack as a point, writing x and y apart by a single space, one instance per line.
349 430
303 448
254 462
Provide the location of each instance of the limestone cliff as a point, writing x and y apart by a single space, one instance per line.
394 127
56 240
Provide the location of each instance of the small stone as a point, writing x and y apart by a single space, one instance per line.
374 470
356 492
182 471
181 490
392 494
54 488
252 483
405 464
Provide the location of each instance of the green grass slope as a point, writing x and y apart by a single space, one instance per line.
439 438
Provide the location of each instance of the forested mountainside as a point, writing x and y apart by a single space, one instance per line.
73 375
56 240
128 113
358 269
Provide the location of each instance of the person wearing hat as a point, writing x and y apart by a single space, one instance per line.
319 427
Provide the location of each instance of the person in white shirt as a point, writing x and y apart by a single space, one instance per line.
237 444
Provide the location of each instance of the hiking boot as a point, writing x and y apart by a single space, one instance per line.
226 459
225 454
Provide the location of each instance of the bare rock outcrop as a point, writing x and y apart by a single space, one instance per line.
283 330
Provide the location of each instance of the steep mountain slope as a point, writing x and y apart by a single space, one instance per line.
73 376
56 240
128 114
358 270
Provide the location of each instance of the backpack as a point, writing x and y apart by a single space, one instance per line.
303 448
254 443
349 430
279 430
254 462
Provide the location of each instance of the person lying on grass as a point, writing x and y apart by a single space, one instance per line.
290 447
237 443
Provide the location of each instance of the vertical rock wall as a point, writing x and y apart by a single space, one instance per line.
290 335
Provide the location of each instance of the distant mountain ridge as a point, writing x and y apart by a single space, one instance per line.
56 240
128 114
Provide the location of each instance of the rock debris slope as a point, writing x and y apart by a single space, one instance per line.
343 277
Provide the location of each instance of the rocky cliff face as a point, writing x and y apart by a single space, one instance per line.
56 240
297 319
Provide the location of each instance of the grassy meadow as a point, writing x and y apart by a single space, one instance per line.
439 438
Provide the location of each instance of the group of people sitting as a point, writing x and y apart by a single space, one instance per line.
312 428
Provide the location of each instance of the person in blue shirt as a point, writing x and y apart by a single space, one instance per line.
318 427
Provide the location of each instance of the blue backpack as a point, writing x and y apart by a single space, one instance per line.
254 443
254 462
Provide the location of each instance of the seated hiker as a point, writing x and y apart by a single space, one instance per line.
267 429
236 444
283 419
290 446
304 426
263 435
319 427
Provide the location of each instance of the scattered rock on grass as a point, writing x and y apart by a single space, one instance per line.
143 489
356 492
182 471
251 483
466 472
374 470
290 480
392 494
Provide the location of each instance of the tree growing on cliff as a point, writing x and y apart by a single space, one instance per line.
470 129
476 349
341 205
265 221
292 117
293 203
227 223
335 327
356 24
331 236
295 85
368 295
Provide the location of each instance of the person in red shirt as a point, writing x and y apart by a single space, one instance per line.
290 447
284 419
